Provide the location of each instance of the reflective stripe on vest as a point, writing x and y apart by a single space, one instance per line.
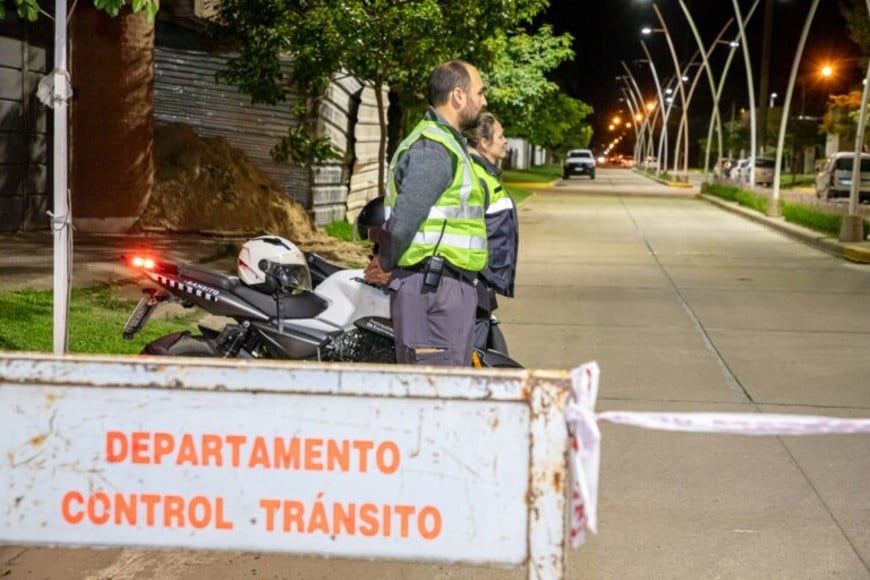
455 226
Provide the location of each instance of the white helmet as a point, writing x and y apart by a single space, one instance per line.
275 256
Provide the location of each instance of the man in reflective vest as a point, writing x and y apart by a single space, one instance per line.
435 231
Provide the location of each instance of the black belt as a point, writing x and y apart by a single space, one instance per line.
450 271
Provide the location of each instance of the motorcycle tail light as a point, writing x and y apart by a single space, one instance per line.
142 262
149 264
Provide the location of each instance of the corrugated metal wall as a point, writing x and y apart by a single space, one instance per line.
24 194
185 91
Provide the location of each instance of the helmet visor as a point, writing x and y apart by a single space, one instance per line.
290 276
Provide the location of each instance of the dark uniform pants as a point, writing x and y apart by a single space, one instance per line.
433 327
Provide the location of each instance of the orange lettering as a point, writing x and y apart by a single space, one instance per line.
187 451
235 442
270 506
164 443
173 507
139 447
211 449
286 457
150 500
96 517
405 512
341 455
125 508
368 514
293 512
313 452
340 518
195 520
116 447
220 522
363 447
385 448
434 529
259 454
66 510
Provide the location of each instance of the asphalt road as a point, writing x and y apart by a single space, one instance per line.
685 307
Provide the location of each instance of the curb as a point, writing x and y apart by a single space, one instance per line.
854 252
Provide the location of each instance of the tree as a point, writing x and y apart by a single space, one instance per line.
384 43
30 10
521 96
841 117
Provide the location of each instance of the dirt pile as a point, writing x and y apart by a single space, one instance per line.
205 186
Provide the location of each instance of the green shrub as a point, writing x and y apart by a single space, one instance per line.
341 229
816 219
738 195
537 174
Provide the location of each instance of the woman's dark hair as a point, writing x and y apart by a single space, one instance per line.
446 77
483 129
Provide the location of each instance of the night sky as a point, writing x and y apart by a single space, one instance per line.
607 32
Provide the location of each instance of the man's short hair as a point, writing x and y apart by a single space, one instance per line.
446 77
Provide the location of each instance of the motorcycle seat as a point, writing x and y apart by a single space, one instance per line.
210 277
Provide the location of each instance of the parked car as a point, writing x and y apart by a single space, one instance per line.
834 179
740 170
651 162
578 162
764 170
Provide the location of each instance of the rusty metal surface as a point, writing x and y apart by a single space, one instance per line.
454 465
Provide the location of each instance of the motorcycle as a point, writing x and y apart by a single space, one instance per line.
342 318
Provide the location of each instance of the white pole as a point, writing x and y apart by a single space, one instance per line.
852 228
773 208
679 76
747 62
60 219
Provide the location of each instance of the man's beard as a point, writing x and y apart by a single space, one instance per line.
467 120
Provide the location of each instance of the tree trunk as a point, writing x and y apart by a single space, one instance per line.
112 68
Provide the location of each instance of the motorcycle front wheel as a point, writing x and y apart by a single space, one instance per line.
181 344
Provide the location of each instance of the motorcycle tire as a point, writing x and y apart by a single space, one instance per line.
180 344
492 359
496 340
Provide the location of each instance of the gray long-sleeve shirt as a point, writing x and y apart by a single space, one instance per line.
422 174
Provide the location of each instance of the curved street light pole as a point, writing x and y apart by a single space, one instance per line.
663 134
722 78
631 99
679 77
705 55
773 208
641 106
852 228
632 106
750 85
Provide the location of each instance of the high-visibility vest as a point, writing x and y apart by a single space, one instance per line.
501 227
455 227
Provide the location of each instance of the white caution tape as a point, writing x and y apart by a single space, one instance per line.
738 423
586 437
585 452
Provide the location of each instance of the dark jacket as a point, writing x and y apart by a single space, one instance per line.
502 228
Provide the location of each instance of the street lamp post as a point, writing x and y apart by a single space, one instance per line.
677 70
852 226
773 208
632 90
663 111
749 82
644 120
